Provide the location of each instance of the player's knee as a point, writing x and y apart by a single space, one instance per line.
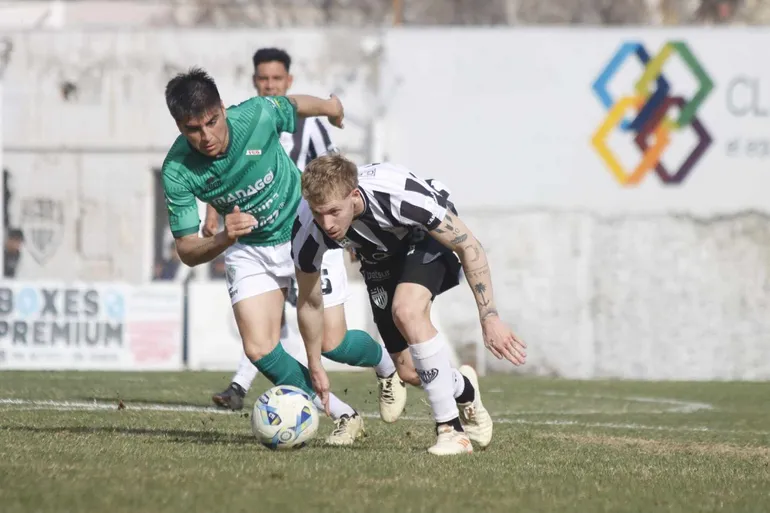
335 327
256 350
331 341
410 312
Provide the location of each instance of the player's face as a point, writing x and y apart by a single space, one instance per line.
208 134
335 217
272 79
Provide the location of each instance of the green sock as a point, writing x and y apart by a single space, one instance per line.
282 369
358 349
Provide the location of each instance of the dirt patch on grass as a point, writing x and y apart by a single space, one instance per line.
665 446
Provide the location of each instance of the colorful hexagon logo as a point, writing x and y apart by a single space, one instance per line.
649 123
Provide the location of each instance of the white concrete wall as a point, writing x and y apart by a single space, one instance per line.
653 297
653 282
94 151
104 231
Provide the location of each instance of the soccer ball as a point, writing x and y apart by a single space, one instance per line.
284 417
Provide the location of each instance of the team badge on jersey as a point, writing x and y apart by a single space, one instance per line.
379 297
253 153
42 222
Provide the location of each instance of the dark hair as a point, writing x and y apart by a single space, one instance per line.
15 233
271 55
191 94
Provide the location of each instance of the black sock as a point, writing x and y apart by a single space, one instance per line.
455 423
469 393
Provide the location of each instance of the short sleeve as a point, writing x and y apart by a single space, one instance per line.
421 205
183 218
282 111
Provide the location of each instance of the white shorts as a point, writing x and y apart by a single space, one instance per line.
254 270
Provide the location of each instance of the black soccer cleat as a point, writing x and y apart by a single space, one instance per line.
231 398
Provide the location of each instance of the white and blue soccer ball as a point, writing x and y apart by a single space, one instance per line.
284 417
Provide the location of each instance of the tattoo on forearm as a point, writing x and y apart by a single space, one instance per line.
448 226
480 289
490 312
459 239
479 281
476 252
439 230
478 272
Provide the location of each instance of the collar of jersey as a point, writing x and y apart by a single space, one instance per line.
366 203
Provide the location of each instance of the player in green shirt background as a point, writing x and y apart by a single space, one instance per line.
232 159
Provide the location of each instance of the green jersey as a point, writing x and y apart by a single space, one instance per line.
255 173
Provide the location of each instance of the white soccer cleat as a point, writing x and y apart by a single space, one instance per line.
451 442
473 416
392 397
346 431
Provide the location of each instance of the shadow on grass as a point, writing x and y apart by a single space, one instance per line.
170 435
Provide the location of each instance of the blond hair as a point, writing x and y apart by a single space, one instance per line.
328 178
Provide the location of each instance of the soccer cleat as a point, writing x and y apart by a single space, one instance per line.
392 397
347 430
231 398
474 417
450 442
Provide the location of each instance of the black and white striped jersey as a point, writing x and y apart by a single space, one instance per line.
396 204
310 140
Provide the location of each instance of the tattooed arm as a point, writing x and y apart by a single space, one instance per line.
453 234
498 338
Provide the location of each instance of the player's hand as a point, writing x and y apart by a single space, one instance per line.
337 112
320 381
501 341
238 224
211 224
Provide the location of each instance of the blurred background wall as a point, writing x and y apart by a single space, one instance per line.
607 267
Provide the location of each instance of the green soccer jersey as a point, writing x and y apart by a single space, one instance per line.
255 173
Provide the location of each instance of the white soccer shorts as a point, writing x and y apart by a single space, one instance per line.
254 270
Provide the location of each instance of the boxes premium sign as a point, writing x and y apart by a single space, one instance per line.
104 326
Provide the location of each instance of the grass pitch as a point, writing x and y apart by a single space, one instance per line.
67 446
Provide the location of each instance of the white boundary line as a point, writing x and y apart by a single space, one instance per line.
677 405
28 404
504 418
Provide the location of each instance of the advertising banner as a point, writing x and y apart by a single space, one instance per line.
90 326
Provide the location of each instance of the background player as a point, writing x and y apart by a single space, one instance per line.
311 138
232 159
385 211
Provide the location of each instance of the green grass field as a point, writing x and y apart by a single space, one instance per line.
65 446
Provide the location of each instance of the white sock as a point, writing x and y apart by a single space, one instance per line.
386 367
292 343
246 373
433 365
459 382
337 407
